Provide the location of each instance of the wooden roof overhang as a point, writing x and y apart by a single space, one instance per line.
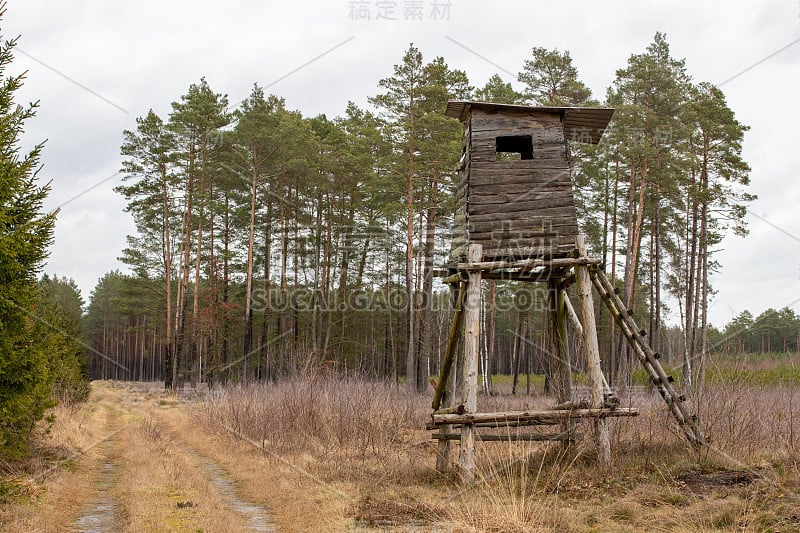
581 124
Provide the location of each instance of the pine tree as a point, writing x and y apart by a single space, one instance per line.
58 328
413 106
649 97
25 234
717 198
499 92
400 107
256 149
439 153
196 121
149 153
552 79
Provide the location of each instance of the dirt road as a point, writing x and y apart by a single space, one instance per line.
142 463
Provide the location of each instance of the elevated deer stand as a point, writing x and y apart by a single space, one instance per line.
515 220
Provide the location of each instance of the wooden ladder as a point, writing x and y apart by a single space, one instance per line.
649 358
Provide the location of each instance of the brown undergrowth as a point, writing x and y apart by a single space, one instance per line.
113 464
368 440
328 454
60 467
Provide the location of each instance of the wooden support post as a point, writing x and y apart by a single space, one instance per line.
469 386
447 380
560 362
572 315
561 367
444 447
596 377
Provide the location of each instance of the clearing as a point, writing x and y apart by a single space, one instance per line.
318 454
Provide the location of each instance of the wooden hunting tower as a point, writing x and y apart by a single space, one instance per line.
514 191
515 220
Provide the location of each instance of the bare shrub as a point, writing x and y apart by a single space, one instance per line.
752 423
371 435
150 429
364 423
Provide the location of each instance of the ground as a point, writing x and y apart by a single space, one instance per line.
134 458
139 463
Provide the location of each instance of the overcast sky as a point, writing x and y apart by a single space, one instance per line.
97 65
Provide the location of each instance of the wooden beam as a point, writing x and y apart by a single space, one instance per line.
560 364
590 344
543 417
564 213
444 392
556 202
533 277
450 350
572 315
545 437
560 357
453 410
431 426
527 263
469 392
452 279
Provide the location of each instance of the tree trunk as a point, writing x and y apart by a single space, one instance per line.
198 256
492 351
411 360
426 310
168 380
703 266
266 365
612 364
515 346
390 346
284 287
655 334
226 240
519 350
691 261
183 293
635 224
248 297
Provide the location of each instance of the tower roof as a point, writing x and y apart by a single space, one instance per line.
581 124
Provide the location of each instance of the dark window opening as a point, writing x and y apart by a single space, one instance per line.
514 147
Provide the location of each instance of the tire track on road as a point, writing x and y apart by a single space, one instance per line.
101 515
220 483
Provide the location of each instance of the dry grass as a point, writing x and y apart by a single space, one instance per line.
295 501
45 492
366 439
164 489
157 483
327 454
347 423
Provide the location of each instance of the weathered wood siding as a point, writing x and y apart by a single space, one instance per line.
459 238
518 208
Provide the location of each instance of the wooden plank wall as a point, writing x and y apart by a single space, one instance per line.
458 243
515 208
